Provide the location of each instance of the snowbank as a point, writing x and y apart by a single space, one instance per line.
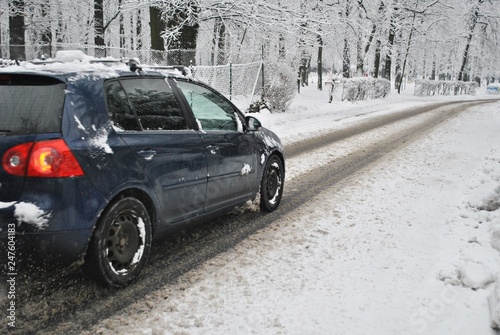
494 297
478 266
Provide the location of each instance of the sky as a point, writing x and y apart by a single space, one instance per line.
408 245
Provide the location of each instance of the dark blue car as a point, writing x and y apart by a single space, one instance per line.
98 160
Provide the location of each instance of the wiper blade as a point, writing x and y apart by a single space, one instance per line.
5 131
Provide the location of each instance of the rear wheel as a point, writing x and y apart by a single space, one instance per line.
121 243
271 187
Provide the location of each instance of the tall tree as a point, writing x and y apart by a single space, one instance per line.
391 40
346 54
473 18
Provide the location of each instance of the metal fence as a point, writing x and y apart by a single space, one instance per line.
232 79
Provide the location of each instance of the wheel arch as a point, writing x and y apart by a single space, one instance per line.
143 197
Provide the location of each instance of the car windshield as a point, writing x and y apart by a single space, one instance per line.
30 104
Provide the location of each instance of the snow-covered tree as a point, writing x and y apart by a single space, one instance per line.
437 39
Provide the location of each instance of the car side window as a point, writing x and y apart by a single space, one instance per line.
211 110
148 101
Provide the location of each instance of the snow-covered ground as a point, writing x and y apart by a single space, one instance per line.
410 245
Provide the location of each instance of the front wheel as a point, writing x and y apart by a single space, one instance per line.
121 243
271 187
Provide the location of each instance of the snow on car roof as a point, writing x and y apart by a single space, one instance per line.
77 65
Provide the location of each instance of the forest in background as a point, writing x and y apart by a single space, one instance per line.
391 39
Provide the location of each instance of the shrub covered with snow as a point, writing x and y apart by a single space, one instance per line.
357 89
434 87
280 87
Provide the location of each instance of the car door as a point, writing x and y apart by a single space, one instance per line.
149 120
231 152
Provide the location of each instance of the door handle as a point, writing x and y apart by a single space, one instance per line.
213 149
147 154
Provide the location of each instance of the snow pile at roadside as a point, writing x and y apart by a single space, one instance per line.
492 204
478 266
488 207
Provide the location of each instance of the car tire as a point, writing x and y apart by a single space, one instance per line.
271 187
121 243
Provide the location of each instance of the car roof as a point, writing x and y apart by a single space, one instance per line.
65 67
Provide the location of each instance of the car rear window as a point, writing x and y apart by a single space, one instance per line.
30 104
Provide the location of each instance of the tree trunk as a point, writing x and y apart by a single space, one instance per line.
360 57
374 28
16 31
218 43
281 47
346 54
400 77
158 26
98 23
138 44
320 63
376 69
390 42
388 57
46 32
346 60
434 65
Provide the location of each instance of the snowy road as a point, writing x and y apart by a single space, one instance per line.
366 227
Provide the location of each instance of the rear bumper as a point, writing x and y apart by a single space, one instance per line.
62 247
48 227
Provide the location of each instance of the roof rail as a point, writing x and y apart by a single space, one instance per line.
186 71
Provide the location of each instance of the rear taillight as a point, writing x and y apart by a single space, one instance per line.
15 160
50 159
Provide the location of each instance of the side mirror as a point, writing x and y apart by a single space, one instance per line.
252 124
